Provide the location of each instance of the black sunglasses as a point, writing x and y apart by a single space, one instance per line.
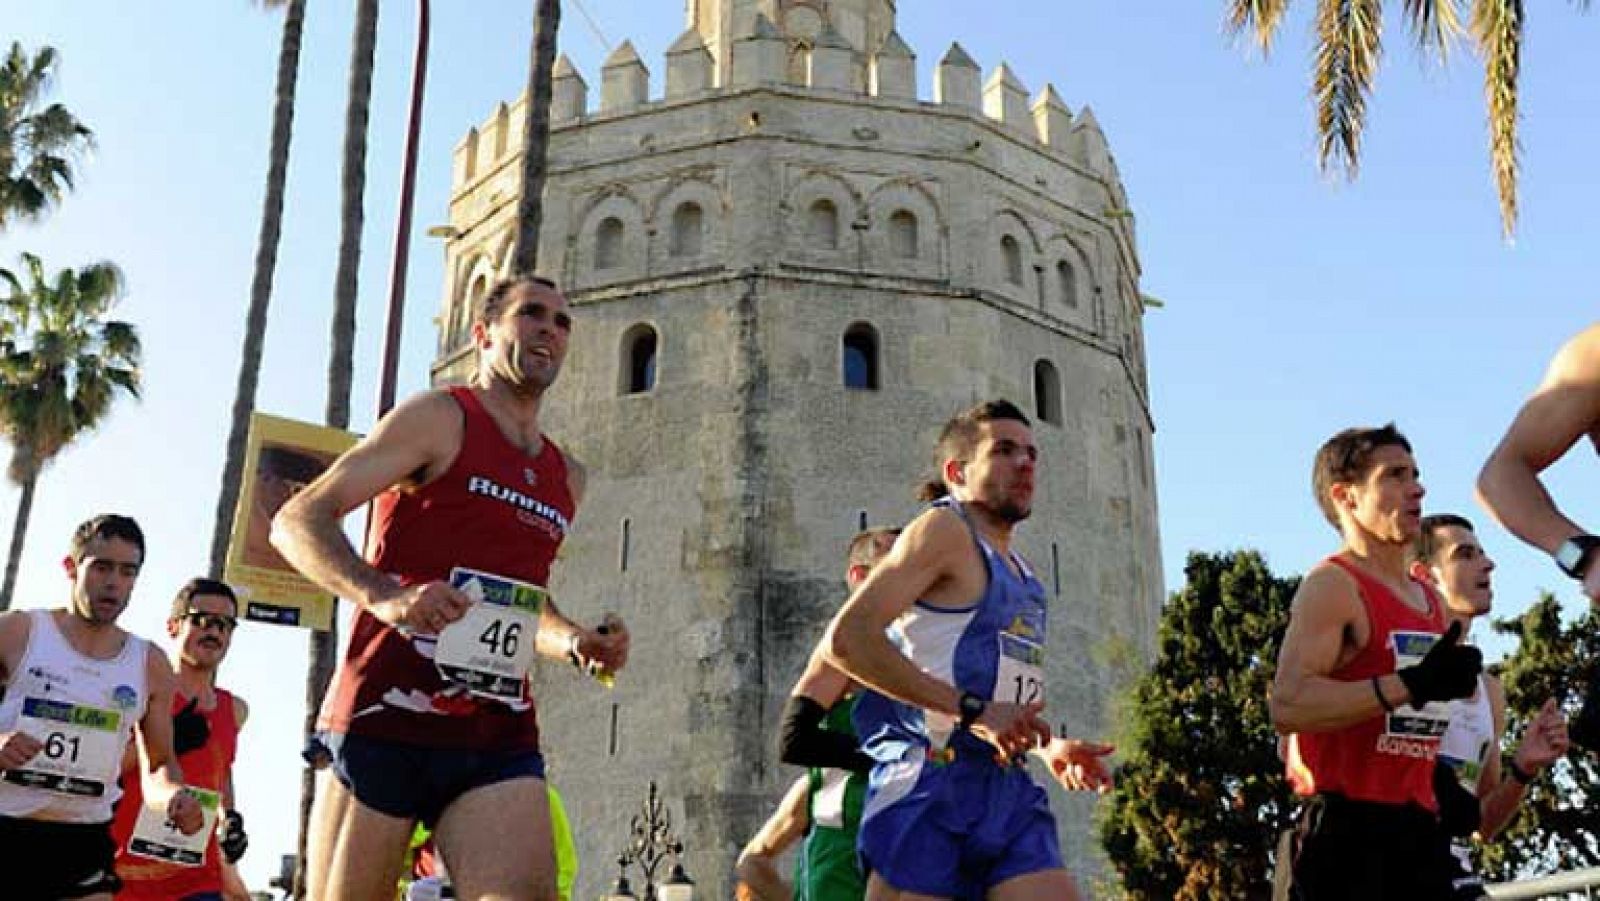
216 621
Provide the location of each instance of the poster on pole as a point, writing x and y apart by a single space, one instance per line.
282 457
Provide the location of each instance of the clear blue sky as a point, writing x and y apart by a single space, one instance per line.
1295 305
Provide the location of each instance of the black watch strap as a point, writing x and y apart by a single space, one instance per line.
1518 773
972 707
1575 555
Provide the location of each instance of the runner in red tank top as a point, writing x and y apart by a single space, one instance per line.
1360 676
426 722
206 722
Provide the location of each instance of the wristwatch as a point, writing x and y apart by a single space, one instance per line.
972 707
1575 554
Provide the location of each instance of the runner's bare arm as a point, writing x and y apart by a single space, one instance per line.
855 643
1564 408
16 748
1303 697
821 682
757 869
557 634
163 777
414 442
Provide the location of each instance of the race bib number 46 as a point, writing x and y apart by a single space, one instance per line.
490 650
155 837
82 747
1019 678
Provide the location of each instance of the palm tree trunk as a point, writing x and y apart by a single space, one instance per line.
536 135
342 339
255 329
19 531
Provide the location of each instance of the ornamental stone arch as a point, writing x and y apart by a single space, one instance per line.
611 244
477 277
1014 252
688 221
820 213
1069 289
908 234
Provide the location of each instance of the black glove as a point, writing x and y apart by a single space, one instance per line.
1448 671
233 841
189 728
1459 812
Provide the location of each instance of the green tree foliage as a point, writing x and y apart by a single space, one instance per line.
38 142
62 365
1558 826
1201 799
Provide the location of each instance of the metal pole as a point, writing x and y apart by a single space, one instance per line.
402 229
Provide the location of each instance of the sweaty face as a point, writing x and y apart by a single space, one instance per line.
999 475
1386 501
103 577
527 342
1461 569
205 633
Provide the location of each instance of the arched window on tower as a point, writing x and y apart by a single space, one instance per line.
822 225
861 357
688 230
800 65
464 314
639 347
1047 392
1011 257
903 235
608 244
1067 284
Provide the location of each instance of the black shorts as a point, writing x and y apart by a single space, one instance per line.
57 861
412 782
1357 849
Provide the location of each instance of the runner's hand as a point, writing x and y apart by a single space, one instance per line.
184 812
426 608
233 840
605 647
189 728
1545 741
1014 729
1448 671
17 748
1079 765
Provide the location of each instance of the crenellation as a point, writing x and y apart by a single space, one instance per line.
624 81
691 69
759 56
1052 120
894 70
1005 99
1088 144
569 93
465 163
956 82
833 62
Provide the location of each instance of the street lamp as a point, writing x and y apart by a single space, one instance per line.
650 842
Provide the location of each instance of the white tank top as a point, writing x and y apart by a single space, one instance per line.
84 711
1465 747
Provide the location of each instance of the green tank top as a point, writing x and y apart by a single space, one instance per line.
826 869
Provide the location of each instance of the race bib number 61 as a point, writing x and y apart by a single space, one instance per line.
82 747
490 650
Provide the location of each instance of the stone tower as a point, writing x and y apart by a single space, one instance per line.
788 269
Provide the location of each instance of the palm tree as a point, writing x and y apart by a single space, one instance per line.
536 135
342 337
62 364
37 146
255 329
1348 46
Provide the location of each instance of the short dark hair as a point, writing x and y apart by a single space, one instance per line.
1427 544
1344 457
960 435
105 527
864 546
201 585
496 298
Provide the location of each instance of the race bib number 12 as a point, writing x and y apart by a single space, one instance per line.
1019 678
155 837
82 747
490 650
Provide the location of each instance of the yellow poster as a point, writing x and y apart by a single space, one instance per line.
282 457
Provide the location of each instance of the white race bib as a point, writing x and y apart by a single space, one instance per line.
490 650
1019 677
155 837
82 747
827 805
1407 722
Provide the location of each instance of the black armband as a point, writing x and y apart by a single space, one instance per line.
803 742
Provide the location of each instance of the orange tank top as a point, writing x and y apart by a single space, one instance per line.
1387 759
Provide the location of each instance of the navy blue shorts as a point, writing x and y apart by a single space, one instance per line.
958 830
413 782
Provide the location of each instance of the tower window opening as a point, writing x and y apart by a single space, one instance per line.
1047 392
639 360
822 225
1011 257
608 244
903 235
861 358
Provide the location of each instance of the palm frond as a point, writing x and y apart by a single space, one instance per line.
1497 25
1261 18
1435 23
1349 41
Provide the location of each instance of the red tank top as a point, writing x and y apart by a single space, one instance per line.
1387 759
205 767
497 510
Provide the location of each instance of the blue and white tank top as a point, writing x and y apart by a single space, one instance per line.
993 648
